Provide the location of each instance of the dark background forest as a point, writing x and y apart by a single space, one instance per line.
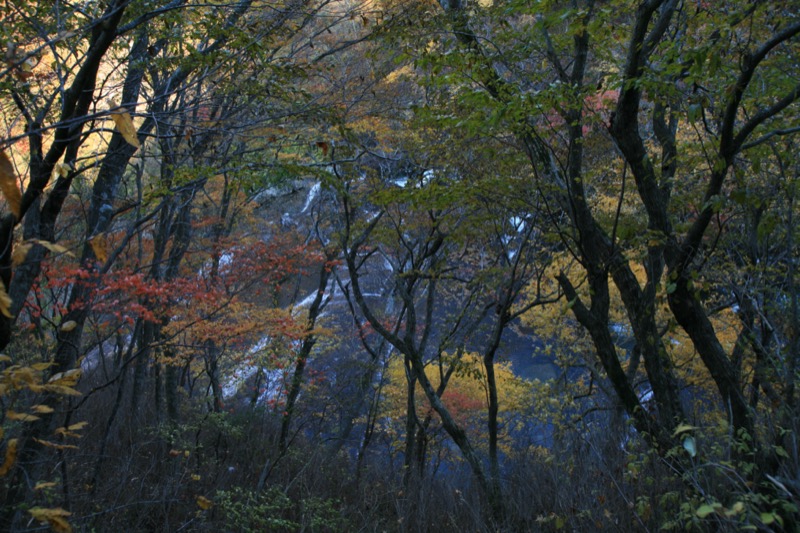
399 265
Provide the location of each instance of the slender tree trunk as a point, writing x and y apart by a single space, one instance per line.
212 371
493 410
171 396
302 358
122 379
140 363
411 424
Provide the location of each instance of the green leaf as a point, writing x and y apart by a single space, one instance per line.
738 508
682 428
705 510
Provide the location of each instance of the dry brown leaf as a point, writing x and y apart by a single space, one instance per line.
9 185
59 525
124 123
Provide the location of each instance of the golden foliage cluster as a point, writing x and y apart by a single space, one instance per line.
35 378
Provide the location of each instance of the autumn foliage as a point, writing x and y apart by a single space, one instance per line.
399 266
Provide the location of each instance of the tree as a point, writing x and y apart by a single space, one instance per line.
199 113
448 293
658 100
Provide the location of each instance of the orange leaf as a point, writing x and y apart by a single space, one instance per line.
9 185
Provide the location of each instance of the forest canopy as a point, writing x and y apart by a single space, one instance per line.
339 265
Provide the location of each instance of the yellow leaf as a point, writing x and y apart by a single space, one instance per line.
62 432
42 409
4 358
682 428
44 485
77 427
23 374
11 457
21 250
20 253
22 417
68 326
27 65
53 247
99 247
69 431
124 123
57 446
56 518
70 377
63 170
5 302
61 389
9 185
204 503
